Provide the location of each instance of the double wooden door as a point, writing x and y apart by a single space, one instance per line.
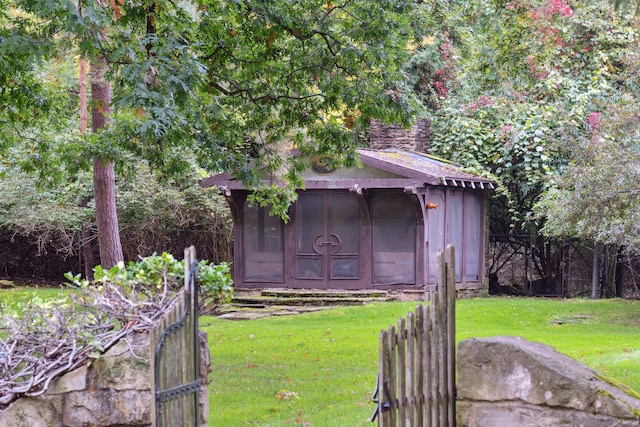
328 240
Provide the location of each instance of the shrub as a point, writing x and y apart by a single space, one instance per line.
41 340
164 272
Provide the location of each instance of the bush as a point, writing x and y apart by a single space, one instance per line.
41 340
162 272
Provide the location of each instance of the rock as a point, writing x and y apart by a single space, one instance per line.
511 381
73 381
113 390
106 408
6 284
30 412
125 366
518 414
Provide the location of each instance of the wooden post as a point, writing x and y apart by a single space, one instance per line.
411 369
451 333
382 377
428 372
440 331
392 377
420 372
401 372
434 364
595 275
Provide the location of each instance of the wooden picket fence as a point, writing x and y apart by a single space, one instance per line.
176 358
416 379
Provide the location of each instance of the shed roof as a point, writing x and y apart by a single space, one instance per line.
432 170
387 168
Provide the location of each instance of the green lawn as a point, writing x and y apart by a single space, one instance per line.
319 369
13 297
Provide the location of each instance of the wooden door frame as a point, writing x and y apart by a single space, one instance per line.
364 242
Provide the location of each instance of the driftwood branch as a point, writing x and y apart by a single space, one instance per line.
48 340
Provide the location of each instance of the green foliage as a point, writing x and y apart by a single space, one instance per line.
154 214
235 85
50 217
215 282
596 198
162 272
304 75
530 77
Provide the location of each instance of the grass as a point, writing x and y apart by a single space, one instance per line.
319 369
14 297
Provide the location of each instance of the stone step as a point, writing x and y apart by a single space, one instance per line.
267 301
234 312
323 293
251 304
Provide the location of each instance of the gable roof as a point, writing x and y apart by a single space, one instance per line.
432 170
387 168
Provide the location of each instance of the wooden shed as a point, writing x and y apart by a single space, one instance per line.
375 227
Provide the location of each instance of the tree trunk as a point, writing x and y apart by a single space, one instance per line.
621 270
83 95
86 236
611 270
104 182
595 273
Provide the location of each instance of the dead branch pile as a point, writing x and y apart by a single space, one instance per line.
45 340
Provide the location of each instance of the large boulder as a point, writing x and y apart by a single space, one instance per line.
508 381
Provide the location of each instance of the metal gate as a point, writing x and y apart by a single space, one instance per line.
176 363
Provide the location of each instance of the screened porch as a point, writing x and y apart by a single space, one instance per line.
379 226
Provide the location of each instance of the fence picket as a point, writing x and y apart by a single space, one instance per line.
450 307
383 378
441 330
401 371
392 377
419 365
411 370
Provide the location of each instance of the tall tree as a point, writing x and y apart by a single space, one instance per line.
226 82
104 179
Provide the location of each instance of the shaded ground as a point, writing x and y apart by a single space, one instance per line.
22 262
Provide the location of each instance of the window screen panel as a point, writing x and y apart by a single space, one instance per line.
394 238
309 268
473 216
436 231
309 220
263 245
345 268
455 226
344 222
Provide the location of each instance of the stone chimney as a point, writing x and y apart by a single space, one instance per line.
391 136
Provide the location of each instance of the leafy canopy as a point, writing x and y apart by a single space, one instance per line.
529 78
236 83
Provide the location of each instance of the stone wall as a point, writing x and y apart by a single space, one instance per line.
508 381
113 390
